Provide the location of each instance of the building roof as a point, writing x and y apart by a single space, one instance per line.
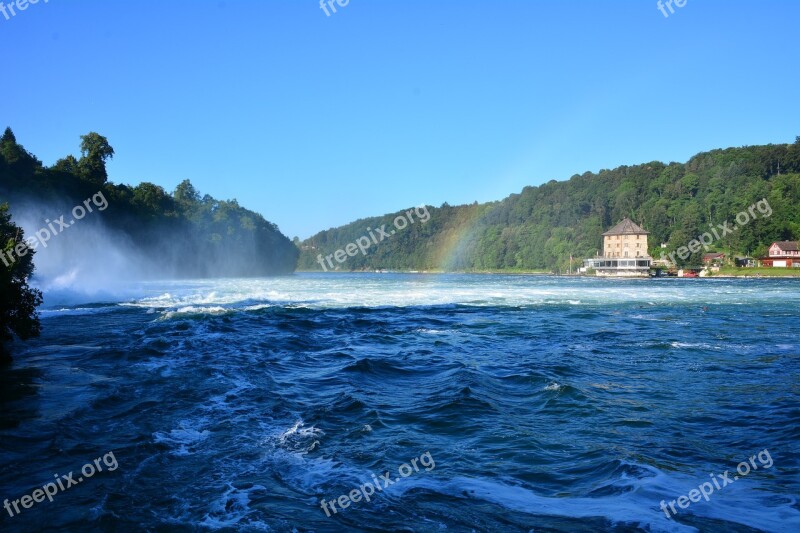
626 227
713 256
786 246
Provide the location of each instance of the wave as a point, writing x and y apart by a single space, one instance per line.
637 501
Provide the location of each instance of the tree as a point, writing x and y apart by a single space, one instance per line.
68 164
18 302
187 197
95 150
185 192
19 165
152 200
9 148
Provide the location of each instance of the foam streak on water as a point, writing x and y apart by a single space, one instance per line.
548 404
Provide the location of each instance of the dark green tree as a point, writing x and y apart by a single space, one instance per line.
10 150
95 151
19 166
18 302
68 164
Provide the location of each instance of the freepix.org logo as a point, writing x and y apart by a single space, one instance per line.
664 5
329 6
11 9
49 490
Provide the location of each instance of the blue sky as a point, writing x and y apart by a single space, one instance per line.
317 120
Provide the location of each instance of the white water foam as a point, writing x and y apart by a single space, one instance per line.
364 290
638 504
184 438
232 507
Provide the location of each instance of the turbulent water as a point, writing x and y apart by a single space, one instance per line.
510 403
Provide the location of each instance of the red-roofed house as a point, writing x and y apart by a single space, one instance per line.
783 254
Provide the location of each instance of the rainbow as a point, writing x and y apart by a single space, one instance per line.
453 244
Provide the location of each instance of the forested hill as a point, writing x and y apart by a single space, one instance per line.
542 226
164 234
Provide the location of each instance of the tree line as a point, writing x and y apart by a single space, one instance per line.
542 226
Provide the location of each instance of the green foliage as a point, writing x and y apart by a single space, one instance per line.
16 164
186 196
18 302
95 151
540 227
185 234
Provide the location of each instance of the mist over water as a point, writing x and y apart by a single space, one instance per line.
90 260
84 261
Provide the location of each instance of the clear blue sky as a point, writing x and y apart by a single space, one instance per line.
315 121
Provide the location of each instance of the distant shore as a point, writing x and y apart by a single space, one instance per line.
758 272
755 273
425 272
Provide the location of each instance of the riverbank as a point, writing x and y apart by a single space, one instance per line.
758 272
728 272
503 272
